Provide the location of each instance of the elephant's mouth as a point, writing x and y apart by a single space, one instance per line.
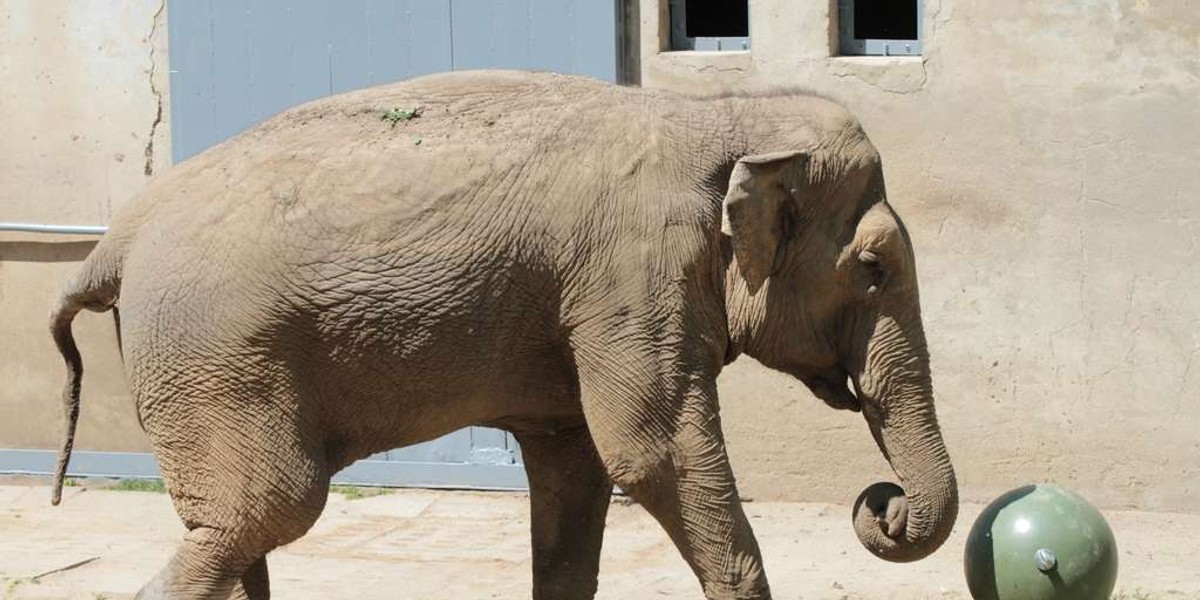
833 386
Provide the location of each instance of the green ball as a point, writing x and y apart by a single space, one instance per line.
1040 543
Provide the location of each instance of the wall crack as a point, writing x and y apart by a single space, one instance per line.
148 168
905 77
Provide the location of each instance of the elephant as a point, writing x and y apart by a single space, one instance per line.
568 260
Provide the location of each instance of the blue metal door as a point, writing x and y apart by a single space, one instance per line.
235 63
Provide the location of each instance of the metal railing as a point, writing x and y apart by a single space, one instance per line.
55 229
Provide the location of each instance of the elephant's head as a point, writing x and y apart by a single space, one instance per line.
821 284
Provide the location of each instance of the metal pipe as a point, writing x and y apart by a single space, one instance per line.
56 229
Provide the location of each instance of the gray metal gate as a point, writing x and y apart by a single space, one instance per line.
235 63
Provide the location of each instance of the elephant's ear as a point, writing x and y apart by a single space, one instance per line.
754 211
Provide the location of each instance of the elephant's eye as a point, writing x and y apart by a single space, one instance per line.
876 274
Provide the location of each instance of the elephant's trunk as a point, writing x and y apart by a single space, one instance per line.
906 522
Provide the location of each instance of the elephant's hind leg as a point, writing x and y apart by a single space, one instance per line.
255 584
246 473
223 554
569 494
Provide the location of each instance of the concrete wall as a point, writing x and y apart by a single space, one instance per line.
83 125
1043 155
1039 152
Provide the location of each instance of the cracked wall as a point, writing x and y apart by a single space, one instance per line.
1043 156
83 110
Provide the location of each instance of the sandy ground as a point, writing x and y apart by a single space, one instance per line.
467 546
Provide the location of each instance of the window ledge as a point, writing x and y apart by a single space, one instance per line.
706 53
697 70
871 60
728 61
896 74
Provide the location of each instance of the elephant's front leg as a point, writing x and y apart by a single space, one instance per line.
658 433
569 494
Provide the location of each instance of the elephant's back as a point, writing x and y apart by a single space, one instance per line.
499 172
332 184
398 155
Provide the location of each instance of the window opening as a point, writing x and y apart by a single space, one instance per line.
880 27
710 25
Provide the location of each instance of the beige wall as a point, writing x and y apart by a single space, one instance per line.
79 107
1039 152
1044 155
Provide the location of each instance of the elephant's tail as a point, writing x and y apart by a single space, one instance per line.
95 288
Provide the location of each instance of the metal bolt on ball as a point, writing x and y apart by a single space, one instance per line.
1045 560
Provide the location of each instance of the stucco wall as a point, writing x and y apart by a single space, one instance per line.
1043 155
1039 152
80 133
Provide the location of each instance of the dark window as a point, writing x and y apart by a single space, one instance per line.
710 25
885 19
719 18
887 27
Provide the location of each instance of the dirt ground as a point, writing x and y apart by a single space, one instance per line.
474 546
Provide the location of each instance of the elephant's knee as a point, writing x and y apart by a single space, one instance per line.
639 473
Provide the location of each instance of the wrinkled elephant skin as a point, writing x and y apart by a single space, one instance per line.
568 260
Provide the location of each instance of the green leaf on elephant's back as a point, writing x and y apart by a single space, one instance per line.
398 114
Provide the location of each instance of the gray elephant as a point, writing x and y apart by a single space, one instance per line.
567 260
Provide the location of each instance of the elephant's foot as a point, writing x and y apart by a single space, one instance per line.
754 589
